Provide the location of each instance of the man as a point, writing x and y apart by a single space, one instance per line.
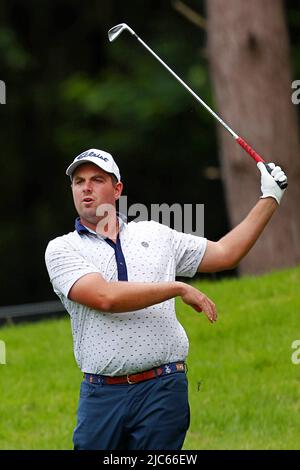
117 281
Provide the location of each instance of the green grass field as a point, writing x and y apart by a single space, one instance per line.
244 388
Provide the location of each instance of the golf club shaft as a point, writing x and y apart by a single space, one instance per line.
114 32
238 139
188 88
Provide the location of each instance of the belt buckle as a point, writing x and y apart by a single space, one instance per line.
128 380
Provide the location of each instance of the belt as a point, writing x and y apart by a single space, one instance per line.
165 369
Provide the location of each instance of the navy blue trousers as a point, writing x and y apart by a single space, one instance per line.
151 415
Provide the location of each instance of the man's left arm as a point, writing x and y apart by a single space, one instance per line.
230 249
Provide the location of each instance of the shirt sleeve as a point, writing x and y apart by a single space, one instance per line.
65 266
189 251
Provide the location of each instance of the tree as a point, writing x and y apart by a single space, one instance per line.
250 66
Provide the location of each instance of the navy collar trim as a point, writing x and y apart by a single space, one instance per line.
82 230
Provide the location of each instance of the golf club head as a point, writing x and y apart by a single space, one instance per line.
115 31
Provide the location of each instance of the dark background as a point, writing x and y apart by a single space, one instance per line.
68 89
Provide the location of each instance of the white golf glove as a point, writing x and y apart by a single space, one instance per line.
270 179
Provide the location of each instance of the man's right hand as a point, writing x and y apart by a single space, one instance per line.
199 302
95 292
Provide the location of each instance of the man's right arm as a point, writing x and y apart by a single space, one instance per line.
95 292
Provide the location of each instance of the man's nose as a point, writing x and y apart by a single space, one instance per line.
87 187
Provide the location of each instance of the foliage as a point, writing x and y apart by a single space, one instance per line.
68 89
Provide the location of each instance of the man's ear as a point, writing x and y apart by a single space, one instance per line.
118 189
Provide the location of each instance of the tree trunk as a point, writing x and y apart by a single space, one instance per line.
249 56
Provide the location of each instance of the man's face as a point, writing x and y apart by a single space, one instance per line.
91 187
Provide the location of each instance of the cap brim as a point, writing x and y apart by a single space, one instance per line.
71 168
74 165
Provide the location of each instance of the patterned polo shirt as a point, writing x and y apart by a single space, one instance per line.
124 343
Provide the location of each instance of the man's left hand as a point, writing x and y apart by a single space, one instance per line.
269 185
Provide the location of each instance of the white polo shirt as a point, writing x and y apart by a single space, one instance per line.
124 343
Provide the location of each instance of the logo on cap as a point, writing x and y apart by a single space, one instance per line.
91 154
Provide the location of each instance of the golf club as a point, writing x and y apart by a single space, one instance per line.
115 32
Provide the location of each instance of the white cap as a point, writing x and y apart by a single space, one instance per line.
100 158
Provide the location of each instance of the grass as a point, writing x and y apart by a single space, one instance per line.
243 387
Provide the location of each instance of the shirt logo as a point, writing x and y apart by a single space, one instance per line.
145 244
168 370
